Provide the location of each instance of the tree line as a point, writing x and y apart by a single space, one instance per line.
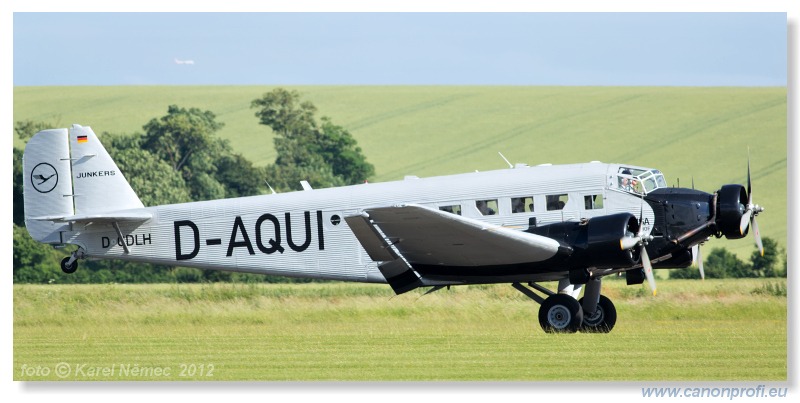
721 263
179 158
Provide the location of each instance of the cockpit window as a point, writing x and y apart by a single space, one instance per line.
639 181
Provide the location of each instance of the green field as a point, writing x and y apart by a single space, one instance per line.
699 134
693 330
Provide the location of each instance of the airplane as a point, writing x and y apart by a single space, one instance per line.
572 224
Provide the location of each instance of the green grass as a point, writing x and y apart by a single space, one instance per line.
693 330
688 133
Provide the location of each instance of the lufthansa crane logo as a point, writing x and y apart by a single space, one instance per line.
44 177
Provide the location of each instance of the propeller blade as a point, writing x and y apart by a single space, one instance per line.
700 264
629 242
745 221
648 270
697 260
749 187
757 235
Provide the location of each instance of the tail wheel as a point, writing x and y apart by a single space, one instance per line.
602 320
69 268
560 313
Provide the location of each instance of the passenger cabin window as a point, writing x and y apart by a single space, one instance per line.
455 209
522 204
593 202
487 207
557 202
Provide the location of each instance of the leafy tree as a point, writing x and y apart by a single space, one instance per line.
766 266
153 179
180 135
341 151
239 175
718 264
25 129
282 111
325 155
184 139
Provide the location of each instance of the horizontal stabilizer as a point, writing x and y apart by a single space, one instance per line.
98 218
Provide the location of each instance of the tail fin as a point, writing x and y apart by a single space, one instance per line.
69 173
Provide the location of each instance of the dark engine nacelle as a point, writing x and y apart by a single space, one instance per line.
603 247
596 242
731 206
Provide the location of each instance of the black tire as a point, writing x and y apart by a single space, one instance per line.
68 269
603 319
560 313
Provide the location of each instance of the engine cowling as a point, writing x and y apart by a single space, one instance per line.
731 206
604 249
596 242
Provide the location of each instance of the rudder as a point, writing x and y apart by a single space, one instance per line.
47 184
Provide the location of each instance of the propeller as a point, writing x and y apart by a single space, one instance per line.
698 260
751 211
641 240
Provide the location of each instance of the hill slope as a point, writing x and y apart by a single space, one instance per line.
688 133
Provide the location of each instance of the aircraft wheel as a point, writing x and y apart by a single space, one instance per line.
560 313
68 269
602 320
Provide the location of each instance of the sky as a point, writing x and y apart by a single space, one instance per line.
659 49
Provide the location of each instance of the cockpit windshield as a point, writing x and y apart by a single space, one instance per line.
639 180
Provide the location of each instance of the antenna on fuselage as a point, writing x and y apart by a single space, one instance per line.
270 187
506 160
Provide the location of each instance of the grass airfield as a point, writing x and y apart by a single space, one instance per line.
693 330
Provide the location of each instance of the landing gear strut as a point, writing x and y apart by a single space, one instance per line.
563 313
70 264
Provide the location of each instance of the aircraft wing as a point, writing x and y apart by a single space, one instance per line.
424 235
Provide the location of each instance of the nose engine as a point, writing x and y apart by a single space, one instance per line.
732 203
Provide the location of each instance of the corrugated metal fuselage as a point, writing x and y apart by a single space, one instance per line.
304 234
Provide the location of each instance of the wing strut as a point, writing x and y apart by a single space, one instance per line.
121 238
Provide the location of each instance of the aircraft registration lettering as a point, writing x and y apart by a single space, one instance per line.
130 240
267 230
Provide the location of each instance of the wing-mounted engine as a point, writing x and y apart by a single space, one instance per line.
602 242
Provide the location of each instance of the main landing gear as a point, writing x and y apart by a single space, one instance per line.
70 264
562 313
